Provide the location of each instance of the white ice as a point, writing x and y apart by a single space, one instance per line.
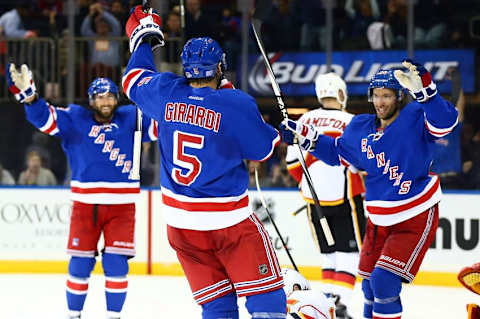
36 296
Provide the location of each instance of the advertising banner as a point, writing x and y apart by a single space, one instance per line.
296 72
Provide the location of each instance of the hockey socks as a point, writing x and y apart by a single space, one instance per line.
224 307
386 287
79 269
115 268
272 304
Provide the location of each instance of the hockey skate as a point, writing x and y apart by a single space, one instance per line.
340 308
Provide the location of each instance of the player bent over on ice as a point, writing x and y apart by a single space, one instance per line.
302 301
206 133
394 147
98 142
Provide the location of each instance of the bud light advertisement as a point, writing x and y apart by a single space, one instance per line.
296 72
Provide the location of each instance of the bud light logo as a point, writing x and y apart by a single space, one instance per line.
296 72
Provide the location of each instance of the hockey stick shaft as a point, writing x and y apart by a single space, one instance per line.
264 203
256 24
137 136
298 211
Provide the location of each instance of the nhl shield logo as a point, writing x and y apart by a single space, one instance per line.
262 269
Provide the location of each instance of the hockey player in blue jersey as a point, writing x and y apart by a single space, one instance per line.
206 134
394 147
98 142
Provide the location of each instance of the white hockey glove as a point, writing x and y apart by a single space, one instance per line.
21 83
417 80
305 134
144 26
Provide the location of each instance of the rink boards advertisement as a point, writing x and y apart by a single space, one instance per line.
34 232
296 72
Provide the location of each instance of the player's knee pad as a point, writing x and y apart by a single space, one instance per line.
81 267
223 307
115 265
385 284
272 304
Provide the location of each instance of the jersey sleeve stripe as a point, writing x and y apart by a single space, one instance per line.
275 142
130 78
439 132
50 127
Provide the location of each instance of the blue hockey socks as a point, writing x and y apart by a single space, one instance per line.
224 307
79 269
368 302
272 304
115 268
386 287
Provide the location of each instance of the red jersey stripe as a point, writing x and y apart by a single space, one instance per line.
392 210
205 207
105 190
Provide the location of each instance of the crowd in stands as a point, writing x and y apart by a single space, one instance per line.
291 25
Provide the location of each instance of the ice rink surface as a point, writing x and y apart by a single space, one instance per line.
43 297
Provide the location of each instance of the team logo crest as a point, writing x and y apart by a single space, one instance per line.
262 269
75 241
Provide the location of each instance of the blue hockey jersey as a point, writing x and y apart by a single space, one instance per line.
205 136
397 160
99 155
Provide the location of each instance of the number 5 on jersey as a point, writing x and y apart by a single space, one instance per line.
191 163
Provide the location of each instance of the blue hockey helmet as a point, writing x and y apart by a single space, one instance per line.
200 57
102 86
384 79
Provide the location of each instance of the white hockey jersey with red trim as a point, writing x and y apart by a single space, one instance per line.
99 155
310 304
331 183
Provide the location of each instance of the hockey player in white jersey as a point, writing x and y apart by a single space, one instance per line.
339 190
302 301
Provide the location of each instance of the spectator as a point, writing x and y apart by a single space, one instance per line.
118 10
197 22
52 20
282 28
12 22
172 33
396 17
430 29
360 14
230 35
35 174
5 177
103 51
447 161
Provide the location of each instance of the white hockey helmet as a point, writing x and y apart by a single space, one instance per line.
292 278
329 85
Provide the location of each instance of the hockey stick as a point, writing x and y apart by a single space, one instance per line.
256 24
264 203
137 136
298 211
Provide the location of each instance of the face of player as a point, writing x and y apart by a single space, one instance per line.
385 103
104 106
